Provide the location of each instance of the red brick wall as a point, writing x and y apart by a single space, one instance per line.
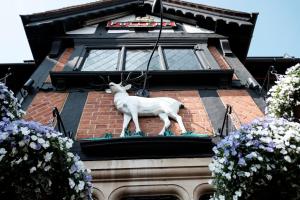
100 115
40 109
63 59
244 108
220 59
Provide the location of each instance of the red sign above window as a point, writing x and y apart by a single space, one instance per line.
139 24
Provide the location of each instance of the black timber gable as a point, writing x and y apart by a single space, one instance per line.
41 28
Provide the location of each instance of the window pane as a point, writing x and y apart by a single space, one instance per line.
137 59
181 59
101 60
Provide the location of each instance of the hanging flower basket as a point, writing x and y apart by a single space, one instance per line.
10 109
259 161
36 163
284 97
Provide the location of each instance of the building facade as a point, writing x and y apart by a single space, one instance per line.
198 61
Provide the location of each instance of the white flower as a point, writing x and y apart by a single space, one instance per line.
49 182
3 135
35 154
247 174
284 168
19 161
81 185
47 168
48 156
1 157
39 164
287 158
14 151
254 169
21 143
283 151
25 157
41 141
34 138
71 155
3 151
281 96
46 145
33 145
79 165
25 130
269 177
69 144
32 169
228 176
221 197
71 183
238 193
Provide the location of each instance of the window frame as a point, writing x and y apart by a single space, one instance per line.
85 55
121 62
145 47
192 47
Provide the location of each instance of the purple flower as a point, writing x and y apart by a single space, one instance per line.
13 144
5 119
226 153
249 156
242 162
35 146
73 169
88 178
26 139
269 149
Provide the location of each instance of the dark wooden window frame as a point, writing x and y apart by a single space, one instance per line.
163 61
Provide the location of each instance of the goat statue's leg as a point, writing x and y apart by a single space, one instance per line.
178 118
136 122
167 123
126 120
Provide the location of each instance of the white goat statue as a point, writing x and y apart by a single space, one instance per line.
134 106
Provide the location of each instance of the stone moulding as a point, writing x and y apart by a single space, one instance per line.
184 178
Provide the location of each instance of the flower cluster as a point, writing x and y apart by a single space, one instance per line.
36 163
261 155
10 108
285 95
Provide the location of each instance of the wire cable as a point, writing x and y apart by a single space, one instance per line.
155 46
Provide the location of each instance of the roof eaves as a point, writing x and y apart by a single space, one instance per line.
211 10
62 12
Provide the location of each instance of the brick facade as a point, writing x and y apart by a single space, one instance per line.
244 108
63 59
100 115
220 59
40 109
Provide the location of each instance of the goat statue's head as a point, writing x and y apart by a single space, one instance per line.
116 88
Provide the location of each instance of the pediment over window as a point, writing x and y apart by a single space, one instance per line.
132 23
238 26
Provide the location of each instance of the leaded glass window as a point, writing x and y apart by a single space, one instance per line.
182 59
137 59
129 59
101 60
